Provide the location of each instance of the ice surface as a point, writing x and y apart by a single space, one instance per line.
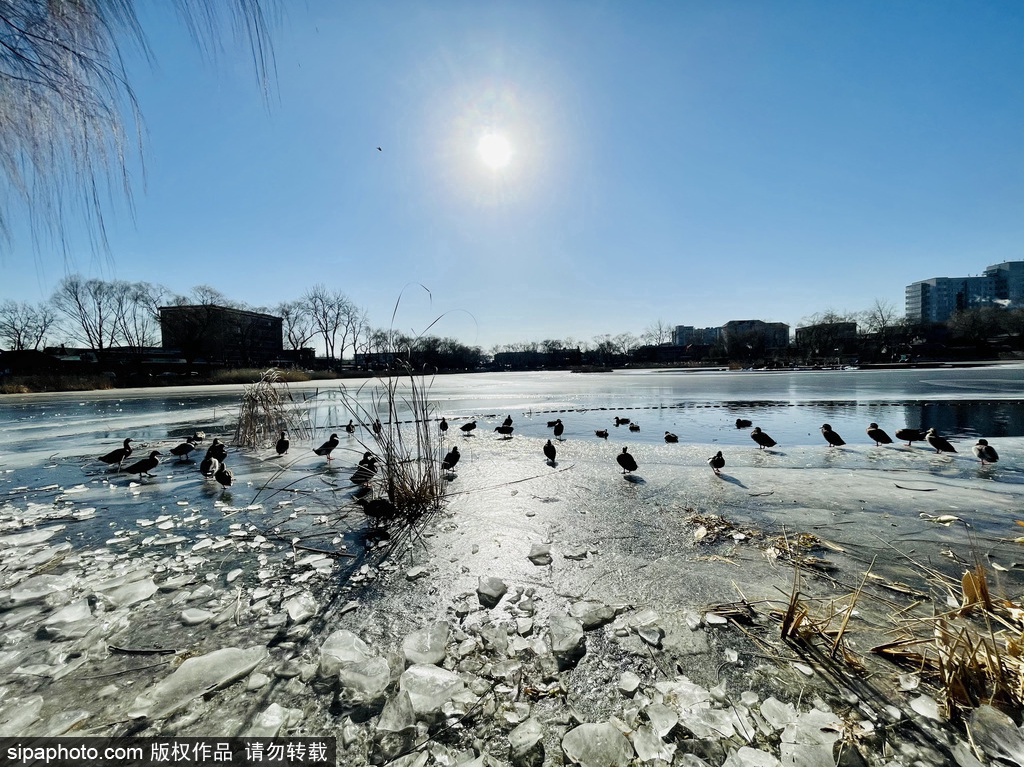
194 678
341 648
597 745
746 756
635 542
365 679
809 740
524 737
591 614
490 591
429 687
17 714
271 721
649 746
566 636
997 734
427 645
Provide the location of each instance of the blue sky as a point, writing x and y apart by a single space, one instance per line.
693 162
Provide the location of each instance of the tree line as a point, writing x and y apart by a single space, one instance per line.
102 314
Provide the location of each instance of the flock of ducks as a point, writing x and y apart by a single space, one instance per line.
214 464
982 450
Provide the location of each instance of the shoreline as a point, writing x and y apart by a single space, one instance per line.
117 392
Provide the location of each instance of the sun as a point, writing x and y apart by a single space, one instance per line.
495 150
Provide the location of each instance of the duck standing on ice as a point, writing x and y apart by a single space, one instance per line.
985 452
626 461
717 463
117 456
937 442
879 436
762 439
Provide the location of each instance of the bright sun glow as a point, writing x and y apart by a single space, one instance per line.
494 150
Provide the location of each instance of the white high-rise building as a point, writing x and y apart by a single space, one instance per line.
936 299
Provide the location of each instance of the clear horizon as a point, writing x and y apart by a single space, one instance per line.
554 170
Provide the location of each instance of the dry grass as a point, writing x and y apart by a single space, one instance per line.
408 450
972 653
266 410
970 650
254 375
42 383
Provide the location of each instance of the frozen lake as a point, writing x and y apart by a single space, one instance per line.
49 442
176 561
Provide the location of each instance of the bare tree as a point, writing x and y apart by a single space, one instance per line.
68 116
658 333
624 342
296 323
363 341
330 311
829 316
24 326
89 308
879 316
137 314
353 318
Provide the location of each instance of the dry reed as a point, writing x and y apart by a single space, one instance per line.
267 410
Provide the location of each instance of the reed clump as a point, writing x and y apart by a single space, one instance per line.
254 375
399 429
971 653
268 409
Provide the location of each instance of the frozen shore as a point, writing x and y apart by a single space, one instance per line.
549 614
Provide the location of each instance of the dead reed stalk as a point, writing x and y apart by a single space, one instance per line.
268 409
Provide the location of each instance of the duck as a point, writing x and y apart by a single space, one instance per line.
626 461
602 434
365 471
879 436
622 421
717 462
937 442
553 422
549 450
182 450
224 476
209 466
143 466
910 434
350 428
327 447
505 430
117 456
985 452
832 437
762 439
451 459
634 427
741 423
282 445
378 511
507 421
218 450
671 437
197 437
443 425
469 427
558 428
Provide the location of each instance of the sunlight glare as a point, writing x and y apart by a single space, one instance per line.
494 150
